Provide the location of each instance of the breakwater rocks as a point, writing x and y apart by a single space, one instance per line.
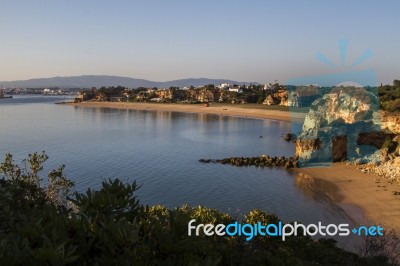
262 161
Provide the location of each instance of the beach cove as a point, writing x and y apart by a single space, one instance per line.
366 198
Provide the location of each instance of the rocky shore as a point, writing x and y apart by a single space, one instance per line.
262 161
389 170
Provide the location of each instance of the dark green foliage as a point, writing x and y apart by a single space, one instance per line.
389 96
106 93
209 86
110 227
141 89
261 98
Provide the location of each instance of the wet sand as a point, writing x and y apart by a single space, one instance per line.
366 198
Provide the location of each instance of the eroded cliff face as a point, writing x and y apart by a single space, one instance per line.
389 166
391 121
283 98
204 95
165 94
192 95
343 124
278 98
341 107
305 147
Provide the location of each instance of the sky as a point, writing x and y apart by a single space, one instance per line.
253 41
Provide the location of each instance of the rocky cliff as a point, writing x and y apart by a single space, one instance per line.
283 98
343 124
203 95
191 95
391 121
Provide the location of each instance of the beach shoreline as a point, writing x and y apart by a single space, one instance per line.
224 110
365 198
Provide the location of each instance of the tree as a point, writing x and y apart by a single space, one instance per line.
209 86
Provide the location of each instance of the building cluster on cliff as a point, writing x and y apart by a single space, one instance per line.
268 94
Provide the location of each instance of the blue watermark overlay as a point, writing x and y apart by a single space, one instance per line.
340 107
281 230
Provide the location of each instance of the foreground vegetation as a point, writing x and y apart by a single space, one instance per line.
109 226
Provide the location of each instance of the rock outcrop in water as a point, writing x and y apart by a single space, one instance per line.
289 137
261 161
343 124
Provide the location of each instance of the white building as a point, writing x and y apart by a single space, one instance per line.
239 90
268 86
224 86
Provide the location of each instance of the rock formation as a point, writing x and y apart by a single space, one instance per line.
343 124
283 98
391 121
201 95
261 161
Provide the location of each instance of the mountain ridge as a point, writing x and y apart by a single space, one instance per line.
88 81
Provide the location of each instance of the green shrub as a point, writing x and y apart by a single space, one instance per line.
110 227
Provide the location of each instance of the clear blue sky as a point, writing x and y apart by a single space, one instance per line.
165 40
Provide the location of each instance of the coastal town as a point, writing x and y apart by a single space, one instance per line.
267 94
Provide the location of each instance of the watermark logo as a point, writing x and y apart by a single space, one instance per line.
340 106
280 230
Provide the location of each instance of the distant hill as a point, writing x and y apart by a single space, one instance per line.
89 81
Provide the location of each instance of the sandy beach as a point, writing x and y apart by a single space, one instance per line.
366 198
226 110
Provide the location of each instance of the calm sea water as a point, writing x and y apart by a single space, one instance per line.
161 150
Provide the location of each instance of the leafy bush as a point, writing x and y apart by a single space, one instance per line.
110 227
